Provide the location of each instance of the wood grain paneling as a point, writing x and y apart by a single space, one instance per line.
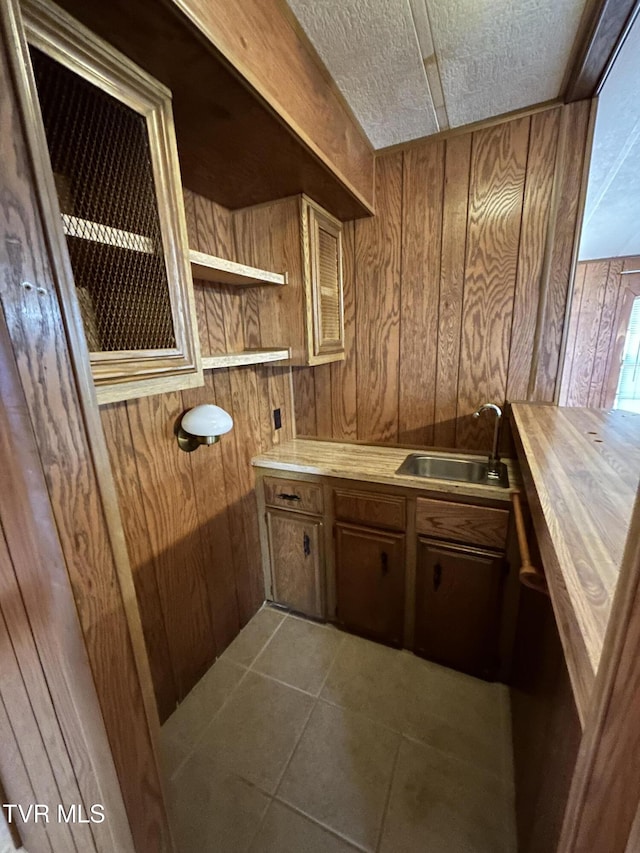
268 237
460 285
543 140
198 579
344 377
190 519
72 458
572 158
599 316
422 219
378 271
169 508
454 230
115 422
588 323
496 189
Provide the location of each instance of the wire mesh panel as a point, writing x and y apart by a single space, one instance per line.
101 161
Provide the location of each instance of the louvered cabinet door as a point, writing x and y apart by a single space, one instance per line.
325 314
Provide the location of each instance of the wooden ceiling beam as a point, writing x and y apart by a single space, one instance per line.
604 26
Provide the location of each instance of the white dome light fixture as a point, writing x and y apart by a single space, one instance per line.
203 425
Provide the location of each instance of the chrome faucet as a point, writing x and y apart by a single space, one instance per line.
495 467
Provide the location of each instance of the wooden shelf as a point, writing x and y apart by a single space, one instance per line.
238 359
210 268
96 232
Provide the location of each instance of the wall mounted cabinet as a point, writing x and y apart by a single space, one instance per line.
297 235
323 289
109 157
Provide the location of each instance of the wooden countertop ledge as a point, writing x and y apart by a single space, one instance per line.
374 464
581 469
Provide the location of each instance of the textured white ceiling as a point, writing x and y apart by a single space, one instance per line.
611 226
501 55
371 50
409 68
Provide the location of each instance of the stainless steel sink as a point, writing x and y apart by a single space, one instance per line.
458 470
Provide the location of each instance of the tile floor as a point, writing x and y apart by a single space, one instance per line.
303 739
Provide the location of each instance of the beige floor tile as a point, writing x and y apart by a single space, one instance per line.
253 637
452 711
214 811
299 653
172 754
439 803
286 831
181 731
6 843
340 773
257 730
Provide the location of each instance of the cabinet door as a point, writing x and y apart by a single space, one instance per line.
295 549
458 606
370 582
118 224
325 314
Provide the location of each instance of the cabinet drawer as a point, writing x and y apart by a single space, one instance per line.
475 525
293 494
371 509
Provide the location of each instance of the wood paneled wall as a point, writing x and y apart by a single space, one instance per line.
190 520
600 311
455 292
57 452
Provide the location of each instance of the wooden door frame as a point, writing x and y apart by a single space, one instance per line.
38 608
53 363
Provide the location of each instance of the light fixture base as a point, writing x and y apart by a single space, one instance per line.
189 443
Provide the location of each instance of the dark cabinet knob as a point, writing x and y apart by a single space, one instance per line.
437 576
306 544
286 497
384 560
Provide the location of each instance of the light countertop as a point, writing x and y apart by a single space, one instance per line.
581 468
373 464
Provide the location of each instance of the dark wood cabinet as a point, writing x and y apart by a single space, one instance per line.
370 570
297 561
458 606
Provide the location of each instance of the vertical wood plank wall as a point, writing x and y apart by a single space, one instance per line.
455 291
600 311
55 427
190 520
